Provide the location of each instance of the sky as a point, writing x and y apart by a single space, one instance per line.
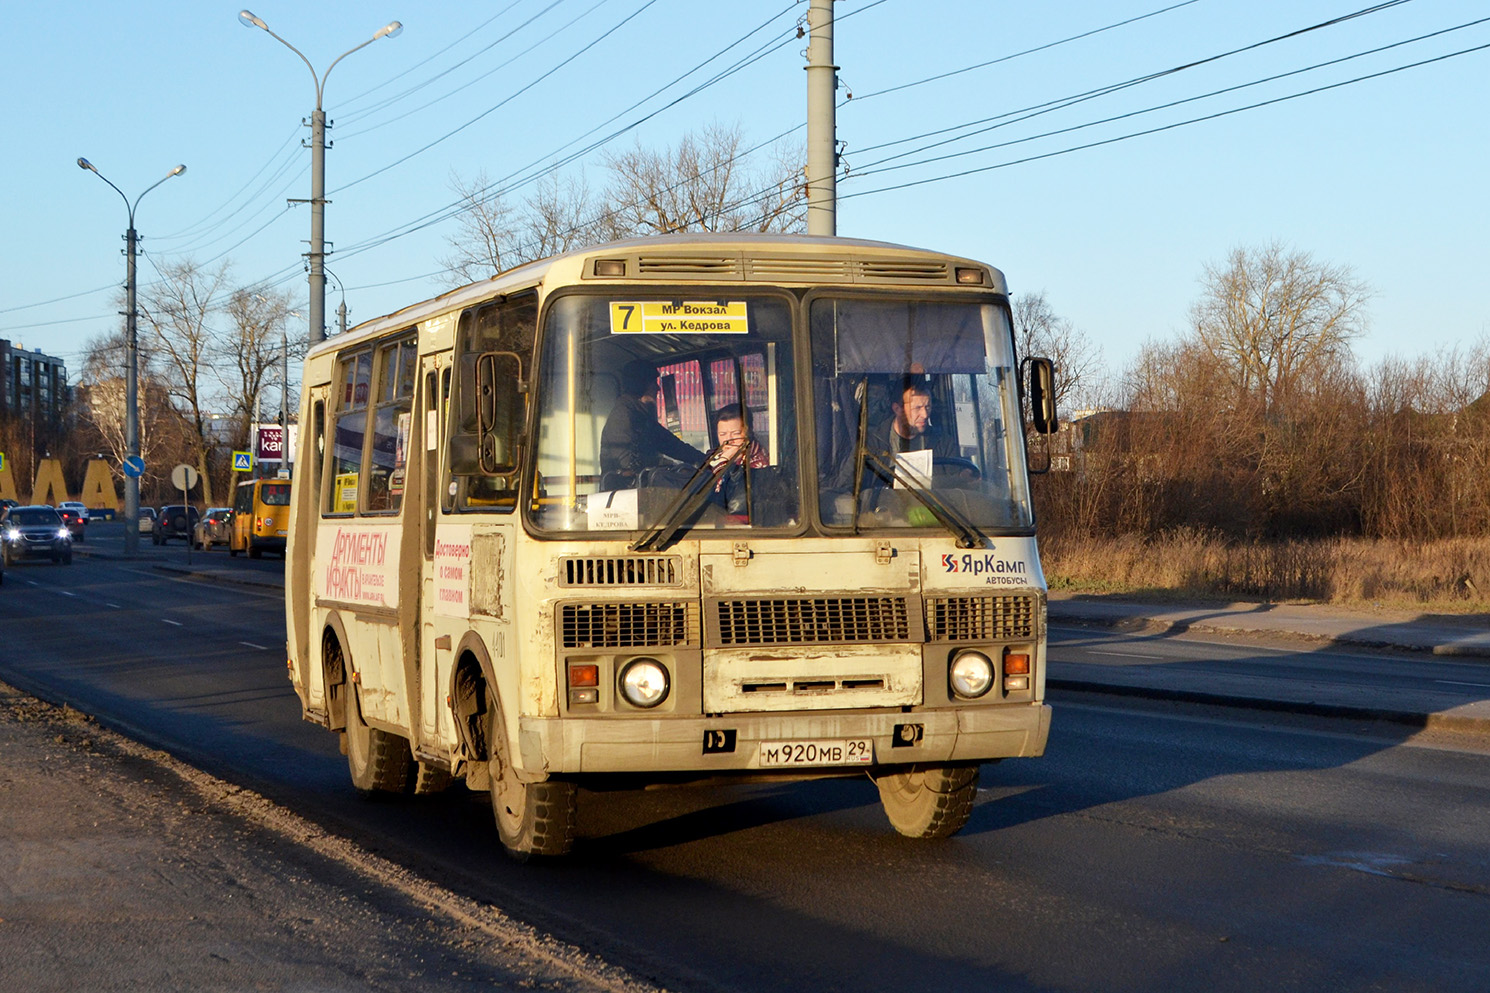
957 120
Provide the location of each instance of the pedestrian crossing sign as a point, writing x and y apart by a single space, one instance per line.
242 461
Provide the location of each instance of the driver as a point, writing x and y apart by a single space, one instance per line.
910 428
633 439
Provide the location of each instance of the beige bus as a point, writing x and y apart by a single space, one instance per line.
680 509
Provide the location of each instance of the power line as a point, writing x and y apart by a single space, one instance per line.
1165 127
870 170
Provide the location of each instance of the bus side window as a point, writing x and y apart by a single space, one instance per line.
354 384
505 326
392 421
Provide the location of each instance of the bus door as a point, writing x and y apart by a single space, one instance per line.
437 640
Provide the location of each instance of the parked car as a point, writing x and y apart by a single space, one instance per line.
146 522
34 533
215 527
174 521
75 516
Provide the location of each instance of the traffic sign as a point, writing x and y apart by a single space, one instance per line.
242 461
134 466
184 477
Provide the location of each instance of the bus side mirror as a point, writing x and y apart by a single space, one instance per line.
499 412
1042 395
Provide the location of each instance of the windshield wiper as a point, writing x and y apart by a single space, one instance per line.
684 505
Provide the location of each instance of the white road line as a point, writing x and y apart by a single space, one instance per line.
1126 655
115 606
1455 682
173 623
66 593
250 644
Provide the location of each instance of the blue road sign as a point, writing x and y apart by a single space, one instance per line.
134 466
242 461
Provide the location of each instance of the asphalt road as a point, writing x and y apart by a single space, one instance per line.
1156 846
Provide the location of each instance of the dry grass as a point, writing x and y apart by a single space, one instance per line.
1452 575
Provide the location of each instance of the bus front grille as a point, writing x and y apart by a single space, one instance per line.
635 570
628 625
979 618
813 620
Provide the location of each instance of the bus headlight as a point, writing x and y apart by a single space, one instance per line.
971 674
644 683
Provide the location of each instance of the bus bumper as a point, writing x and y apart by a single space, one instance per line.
698 744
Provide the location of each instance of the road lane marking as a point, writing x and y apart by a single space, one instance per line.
1126 655
114 606
262 648
173 623
1455 682
66 593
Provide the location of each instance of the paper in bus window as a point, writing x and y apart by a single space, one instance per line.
679 317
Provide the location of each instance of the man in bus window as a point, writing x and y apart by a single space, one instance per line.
633 439
910 428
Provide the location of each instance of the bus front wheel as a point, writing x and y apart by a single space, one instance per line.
928 801
379 760
532 818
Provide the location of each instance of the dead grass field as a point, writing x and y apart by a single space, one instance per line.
1452 575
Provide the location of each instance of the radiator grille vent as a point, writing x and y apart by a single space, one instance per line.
825 269
628 625
809 621
641 570
979 618
901 271
717 267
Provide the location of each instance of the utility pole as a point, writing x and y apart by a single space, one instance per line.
822 121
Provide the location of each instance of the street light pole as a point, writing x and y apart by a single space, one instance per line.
317 253
132 362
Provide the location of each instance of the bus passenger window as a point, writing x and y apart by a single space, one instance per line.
354 379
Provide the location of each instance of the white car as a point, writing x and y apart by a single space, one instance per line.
146 522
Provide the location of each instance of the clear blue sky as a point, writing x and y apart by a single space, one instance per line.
1387 175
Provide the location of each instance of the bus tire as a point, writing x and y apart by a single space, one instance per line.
379 760
928 801
254 552
532 818
430 778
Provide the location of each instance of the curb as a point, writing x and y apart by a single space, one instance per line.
1415 719
1141 622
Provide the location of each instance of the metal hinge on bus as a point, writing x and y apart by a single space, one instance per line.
742 553
883 553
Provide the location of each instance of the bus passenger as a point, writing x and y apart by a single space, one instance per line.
633 439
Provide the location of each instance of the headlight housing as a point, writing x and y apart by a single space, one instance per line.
971 674
644 682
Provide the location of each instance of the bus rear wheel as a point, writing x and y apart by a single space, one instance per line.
532 818
928 801
380 761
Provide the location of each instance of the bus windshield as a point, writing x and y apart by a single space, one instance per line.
917 415
672 411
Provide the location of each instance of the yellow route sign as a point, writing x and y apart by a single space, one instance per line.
685 317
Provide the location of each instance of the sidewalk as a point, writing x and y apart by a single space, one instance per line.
1364 689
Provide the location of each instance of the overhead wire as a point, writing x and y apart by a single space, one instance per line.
1167 127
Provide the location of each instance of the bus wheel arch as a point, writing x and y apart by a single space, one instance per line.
334 676
532 817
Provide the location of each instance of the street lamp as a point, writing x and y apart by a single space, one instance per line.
132 364
318 125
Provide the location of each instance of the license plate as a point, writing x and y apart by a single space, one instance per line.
848 751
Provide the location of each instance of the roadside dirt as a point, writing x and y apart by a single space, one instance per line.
124 869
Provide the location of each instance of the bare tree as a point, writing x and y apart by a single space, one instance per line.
1273 317
699 186
1038 330
252 352
480 245
177 311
